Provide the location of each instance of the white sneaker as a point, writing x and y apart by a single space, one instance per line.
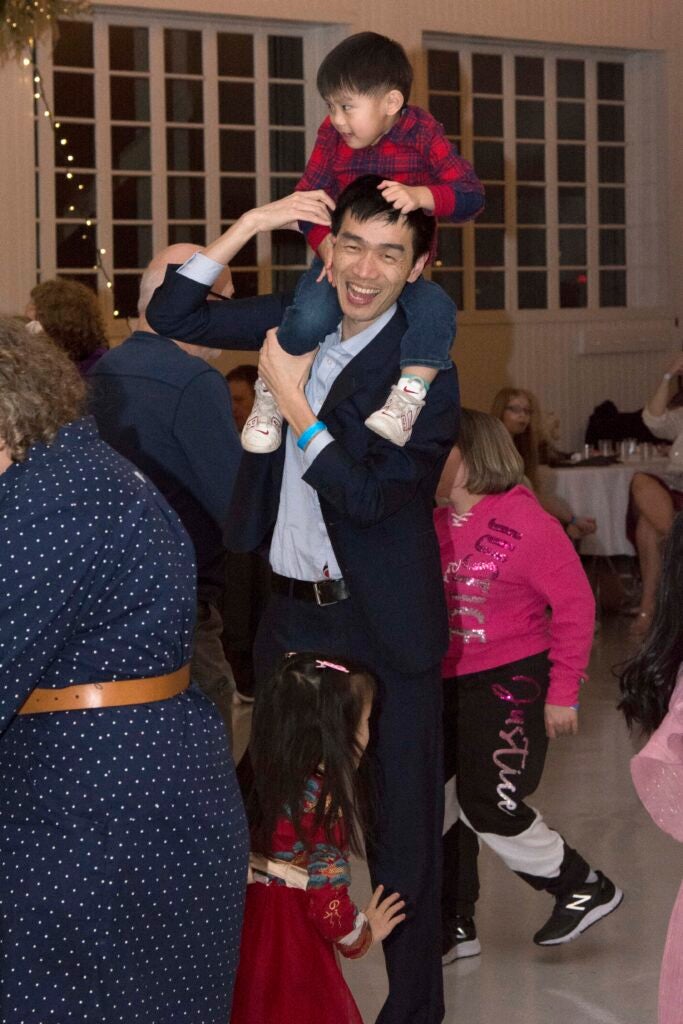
262 433
396 418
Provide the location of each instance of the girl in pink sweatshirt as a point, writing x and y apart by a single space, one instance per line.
512 676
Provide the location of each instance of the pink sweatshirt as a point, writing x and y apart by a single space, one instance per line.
504 562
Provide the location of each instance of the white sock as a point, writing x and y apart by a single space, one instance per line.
591 877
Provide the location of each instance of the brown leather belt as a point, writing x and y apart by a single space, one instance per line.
322 591
106 695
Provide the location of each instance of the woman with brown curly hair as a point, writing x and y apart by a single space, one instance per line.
123 843
70 314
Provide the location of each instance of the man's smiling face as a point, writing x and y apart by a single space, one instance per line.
372 262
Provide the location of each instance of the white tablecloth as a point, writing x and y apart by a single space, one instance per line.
602 492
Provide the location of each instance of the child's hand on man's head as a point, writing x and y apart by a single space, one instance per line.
407 198
325 251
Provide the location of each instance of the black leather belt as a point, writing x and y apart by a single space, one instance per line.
322 592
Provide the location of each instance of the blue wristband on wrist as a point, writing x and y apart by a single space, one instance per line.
309 434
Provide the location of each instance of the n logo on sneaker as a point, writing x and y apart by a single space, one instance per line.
579 902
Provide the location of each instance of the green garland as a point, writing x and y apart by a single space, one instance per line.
23 22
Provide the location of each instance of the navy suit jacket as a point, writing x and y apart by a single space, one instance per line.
376 498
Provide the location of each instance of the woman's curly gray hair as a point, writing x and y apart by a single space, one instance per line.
40 389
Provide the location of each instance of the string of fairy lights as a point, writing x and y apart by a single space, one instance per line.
61 133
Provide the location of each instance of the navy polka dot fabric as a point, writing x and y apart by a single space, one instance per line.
123 842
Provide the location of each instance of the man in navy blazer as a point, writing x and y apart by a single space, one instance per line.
348 517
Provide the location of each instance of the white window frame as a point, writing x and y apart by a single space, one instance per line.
317 40
648 293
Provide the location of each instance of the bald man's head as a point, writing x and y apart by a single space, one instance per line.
156 270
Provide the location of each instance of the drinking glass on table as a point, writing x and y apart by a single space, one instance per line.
605 447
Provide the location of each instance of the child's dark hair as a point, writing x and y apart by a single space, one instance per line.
366 63
364 201
305 720
648 679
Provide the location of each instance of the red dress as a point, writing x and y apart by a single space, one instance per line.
288 970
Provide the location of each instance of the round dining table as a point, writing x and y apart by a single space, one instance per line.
601 492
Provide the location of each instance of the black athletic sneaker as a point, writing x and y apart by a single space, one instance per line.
459 939
578 910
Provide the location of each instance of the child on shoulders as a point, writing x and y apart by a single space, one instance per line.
371 129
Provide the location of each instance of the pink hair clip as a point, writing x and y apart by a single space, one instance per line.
331 664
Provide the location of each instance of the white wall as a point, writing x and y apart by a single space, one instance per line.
540 352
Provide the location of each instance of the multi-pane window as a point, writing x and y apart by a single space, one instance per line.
172 132
546 135
445 104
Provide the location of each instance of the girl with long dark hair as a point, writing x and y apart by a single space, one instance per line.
309 808
652 698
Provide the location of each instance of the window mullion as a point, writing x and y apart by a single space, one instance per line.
551 198
103 184
157 102
510 159
467 146
262 120
592 215
211 142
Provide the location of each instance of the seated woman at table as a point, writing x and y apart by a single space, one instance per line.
518 410
123 839
653 500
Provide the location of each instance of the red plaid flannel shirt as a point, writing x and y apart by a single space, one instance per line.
415 151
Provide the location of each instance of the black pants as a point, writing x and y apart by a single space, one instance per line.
495 746
404 851
210 670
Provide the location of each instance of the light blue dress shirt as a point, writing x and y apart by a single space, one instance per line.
301 547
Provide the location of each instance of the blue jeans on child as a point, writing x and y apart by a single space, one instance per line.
315 313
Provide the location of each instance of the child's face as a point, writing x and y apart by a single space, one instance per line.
517 414
362 119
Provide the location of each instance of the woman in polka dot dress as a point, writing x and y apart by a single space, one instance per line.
123 844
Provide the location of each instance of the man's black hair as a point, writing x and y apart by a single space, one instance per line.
366 63
364 201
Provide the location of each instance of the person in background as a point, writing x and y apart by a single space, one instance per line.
512 677
242 381
652 697
159 402
655 501
69 313
308 810
123 839
518 410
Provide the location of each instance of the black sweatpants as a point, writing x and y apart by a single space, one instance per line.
495 746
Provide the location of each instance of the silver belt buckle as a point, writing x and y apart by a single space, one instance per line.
318 597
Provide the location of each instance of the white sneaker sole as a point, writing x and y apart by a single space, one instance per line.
382 425
460 951
259 444
592 917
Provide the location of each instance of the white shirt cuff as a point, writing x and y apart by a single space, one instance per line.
201 268
316 445
359 924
